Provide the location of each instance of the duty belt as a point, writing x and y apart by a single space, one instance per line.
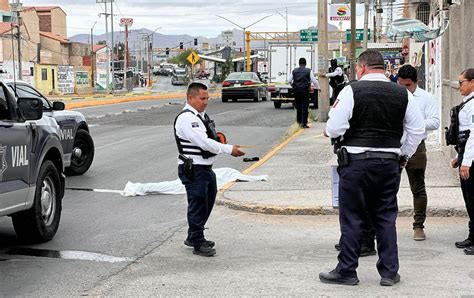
372 155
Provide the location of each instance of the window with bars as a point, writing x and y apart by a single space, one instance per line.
423 13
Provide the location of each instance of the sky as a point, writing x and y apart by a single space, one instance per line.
193 17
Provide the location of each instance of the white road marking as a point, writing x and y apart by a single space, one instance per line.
91 256
112 144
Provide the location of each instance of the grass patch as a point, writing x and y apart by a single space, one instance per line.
291 131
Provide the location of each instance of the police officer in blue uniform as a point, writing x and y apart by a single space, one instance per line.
460 134
198 147
370 116
301 79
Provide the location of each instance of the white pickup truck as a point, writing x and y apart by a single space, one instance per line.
283 59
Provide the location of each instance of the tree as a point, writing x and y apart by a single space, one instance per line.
181 59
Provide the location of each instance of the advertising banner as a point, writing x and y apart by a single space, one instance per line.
340 12
65 79
82 78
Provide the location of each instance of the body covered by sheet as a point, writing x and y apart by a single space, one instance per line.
223 175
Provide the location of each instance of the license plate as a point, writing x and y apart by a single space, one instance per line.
283 90
236 85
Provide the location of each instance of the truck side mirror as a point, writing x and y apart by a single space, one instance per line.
30 108
58 106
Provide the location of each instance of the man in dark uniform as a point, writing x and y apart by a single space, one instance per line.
371 115
198 148
336 80
301 79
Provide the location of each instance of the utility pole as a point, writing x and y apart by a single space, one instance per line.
150 57
126 48
353 38
107 48
323 98
113 45
16 7
288 70
366 24
378 28
92 55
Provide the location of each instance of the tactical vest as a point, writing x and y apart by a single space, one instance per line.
452 134
377 116
301 79
185 147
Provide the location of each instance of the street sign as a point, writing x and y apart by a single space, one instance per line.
193 58
359 34
126 22
310 35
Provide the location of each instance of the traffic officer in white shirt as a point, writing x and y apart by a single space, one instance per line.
370 116
464 144
198 147
416 166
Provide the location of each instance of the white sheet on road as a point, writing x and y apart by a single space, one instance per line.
223 175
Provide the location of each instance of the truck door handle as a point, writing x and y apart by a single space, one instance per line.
34 132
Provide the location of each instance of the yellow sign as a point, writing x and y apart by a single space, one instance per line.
193 58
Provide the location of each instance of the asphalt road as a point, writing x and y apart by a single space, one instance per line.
136 145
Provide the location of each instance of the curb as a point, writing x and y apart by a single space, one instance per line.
320 210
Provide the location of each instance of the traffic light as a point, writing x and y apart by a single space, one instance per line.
167 51
181 46
195 42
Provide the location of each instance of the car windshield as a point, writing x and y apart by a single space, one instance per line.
180 71
241 76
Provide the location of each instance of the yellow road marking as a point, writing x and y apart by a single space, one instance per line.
265 158
103 102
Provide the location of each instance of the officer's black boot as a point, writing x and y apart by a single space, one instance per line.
204 250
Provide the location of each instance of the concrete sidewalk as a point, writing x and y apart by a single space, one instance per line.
300 181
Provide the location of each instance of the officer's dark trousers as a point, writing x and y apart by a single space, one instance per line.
467 187
335 93
416 168
201 192
302 104
368 187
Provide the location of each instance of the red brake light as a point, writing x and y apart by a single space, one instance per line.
271 88
226 84
248 83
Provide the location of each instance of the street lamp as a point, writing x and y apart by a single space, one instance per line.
245 28
149 50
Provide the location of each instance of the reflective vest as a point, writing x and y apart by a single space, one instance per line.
185 147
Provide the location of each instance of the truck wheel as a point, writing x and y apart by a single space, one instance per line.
277 104
40 223
225 99
82 154
256 98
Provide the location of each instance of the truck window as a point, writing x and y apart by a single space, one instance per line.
4 110
27 91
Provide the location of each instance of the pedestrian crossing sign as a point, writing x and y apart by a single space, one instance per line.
193 58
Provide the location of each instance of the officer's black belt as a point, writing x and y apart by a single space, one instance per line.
203 167
373 155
